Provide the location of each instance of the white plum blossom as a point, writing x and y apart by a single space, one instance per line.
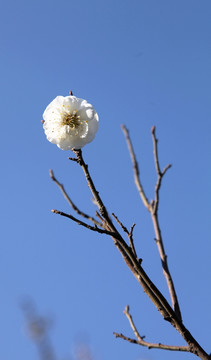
70 122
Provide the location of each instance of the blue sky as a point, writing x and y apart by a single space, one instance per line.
141 63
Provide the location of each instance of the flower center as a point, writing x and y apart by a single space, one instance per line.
72 120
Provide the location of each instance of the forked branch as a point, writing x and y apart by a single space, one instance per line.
129 234
140 339
152 207
71 203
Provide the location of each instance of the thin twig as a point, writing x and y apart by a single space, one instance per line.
75 208
135 167
158 235
73 159
132 241
102 209
121 224
129 234
152 345
79 222
140 339
160 173
99 216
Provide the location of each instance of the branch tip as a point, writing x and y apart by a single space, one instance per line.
73 159
153 129
132 228
166 168
80 222
51 174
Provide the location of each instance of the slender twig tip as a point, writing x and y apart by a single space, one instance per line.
53 211
51 173
71 93
153 129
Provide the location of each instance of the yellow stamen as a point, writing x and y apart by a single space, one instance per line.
72 120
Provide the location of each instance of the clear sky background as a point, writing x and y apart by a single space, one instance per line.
139 62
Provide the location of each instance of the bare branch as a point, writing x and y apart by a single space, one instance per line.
153 345
135 167
79 222
73 159
129 234
159 240
159 301
121 224
159 172
102 209
99 216
153 209
132 241
157 165
75 208
134 264
108 224
140 339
